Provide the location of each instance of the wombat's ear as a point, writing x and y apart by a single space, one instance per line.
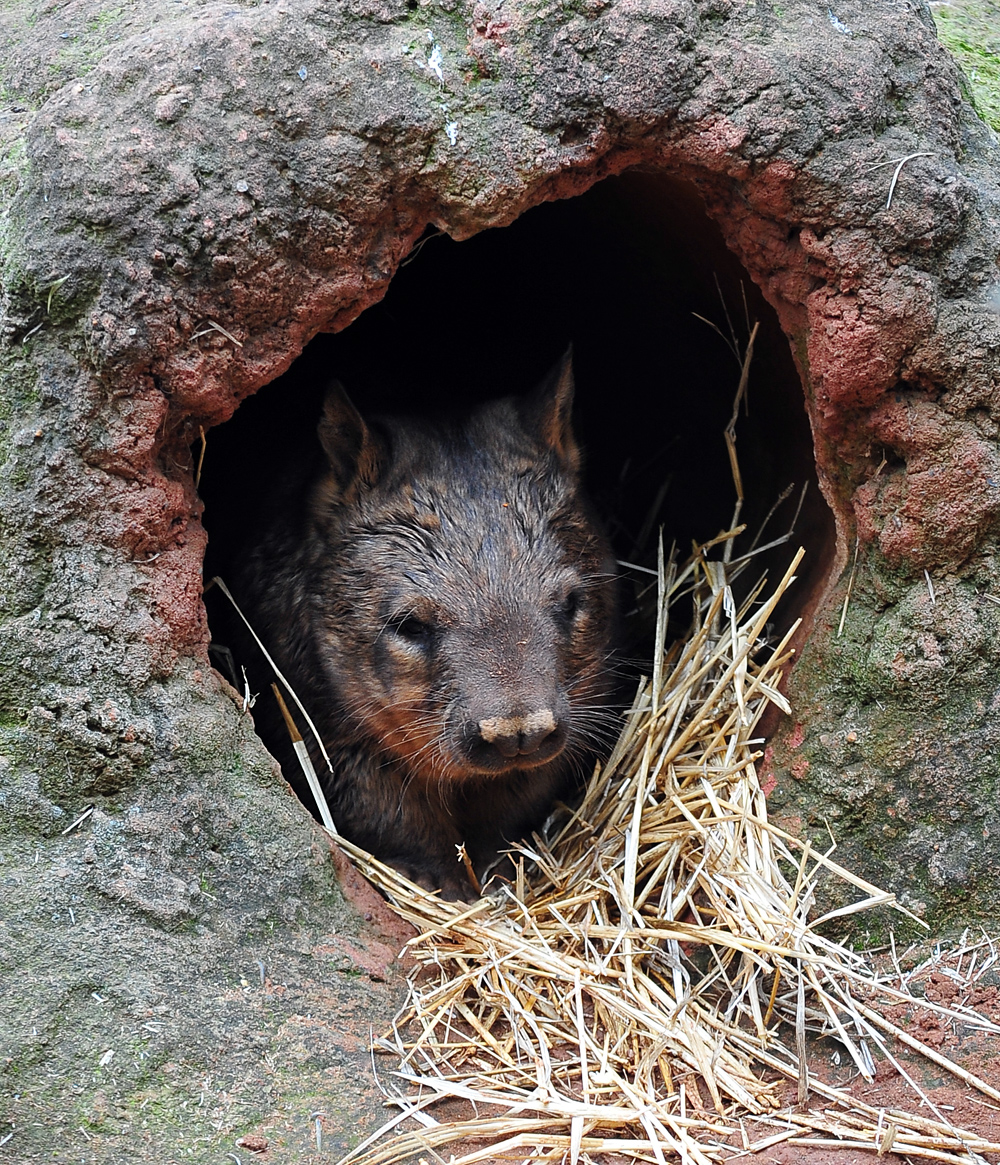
348 443
547 413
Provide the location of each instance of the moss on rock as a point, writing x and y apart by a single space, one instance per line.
971 30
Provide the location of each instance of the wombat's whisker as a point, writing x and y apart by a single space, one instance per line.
403 790
594 732
595 581
428 751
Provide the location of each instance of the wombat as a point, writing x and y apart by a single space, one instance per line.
444 603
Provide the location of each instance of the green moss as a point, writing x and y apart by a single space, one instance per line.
18 395
106 21
970 30
14 167
82 47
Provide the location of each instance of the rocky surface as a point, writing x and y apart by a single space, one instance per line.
191 191
127 1040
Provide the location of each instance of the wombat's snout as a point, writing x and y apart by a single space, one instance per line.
519 735
499 743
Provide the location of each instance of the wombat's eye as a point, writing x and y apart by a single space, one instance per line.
413 630
571 605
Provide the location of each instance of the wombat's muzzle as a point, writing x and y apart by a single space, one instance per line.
500 743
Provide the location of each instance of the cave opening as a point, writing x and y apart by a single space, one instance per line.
628 273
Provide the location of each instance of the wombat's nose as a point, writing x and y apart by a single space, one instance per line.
518 735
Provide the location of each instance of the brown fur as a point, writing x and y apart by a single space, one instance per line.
444 605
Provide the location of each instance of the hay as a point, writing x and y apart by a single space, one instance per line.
645 984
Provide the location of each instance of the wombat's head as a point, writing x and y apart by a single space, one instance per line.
465 599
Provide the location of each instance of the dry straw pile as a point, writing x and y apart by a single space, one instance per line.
649 981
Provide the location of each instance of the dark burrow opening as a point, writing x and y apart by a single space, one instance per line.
623 273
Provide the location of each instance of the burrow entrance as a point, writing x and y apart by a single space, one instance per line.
622 272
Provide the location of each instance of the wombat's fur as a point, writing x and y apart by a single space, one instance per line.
444 606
